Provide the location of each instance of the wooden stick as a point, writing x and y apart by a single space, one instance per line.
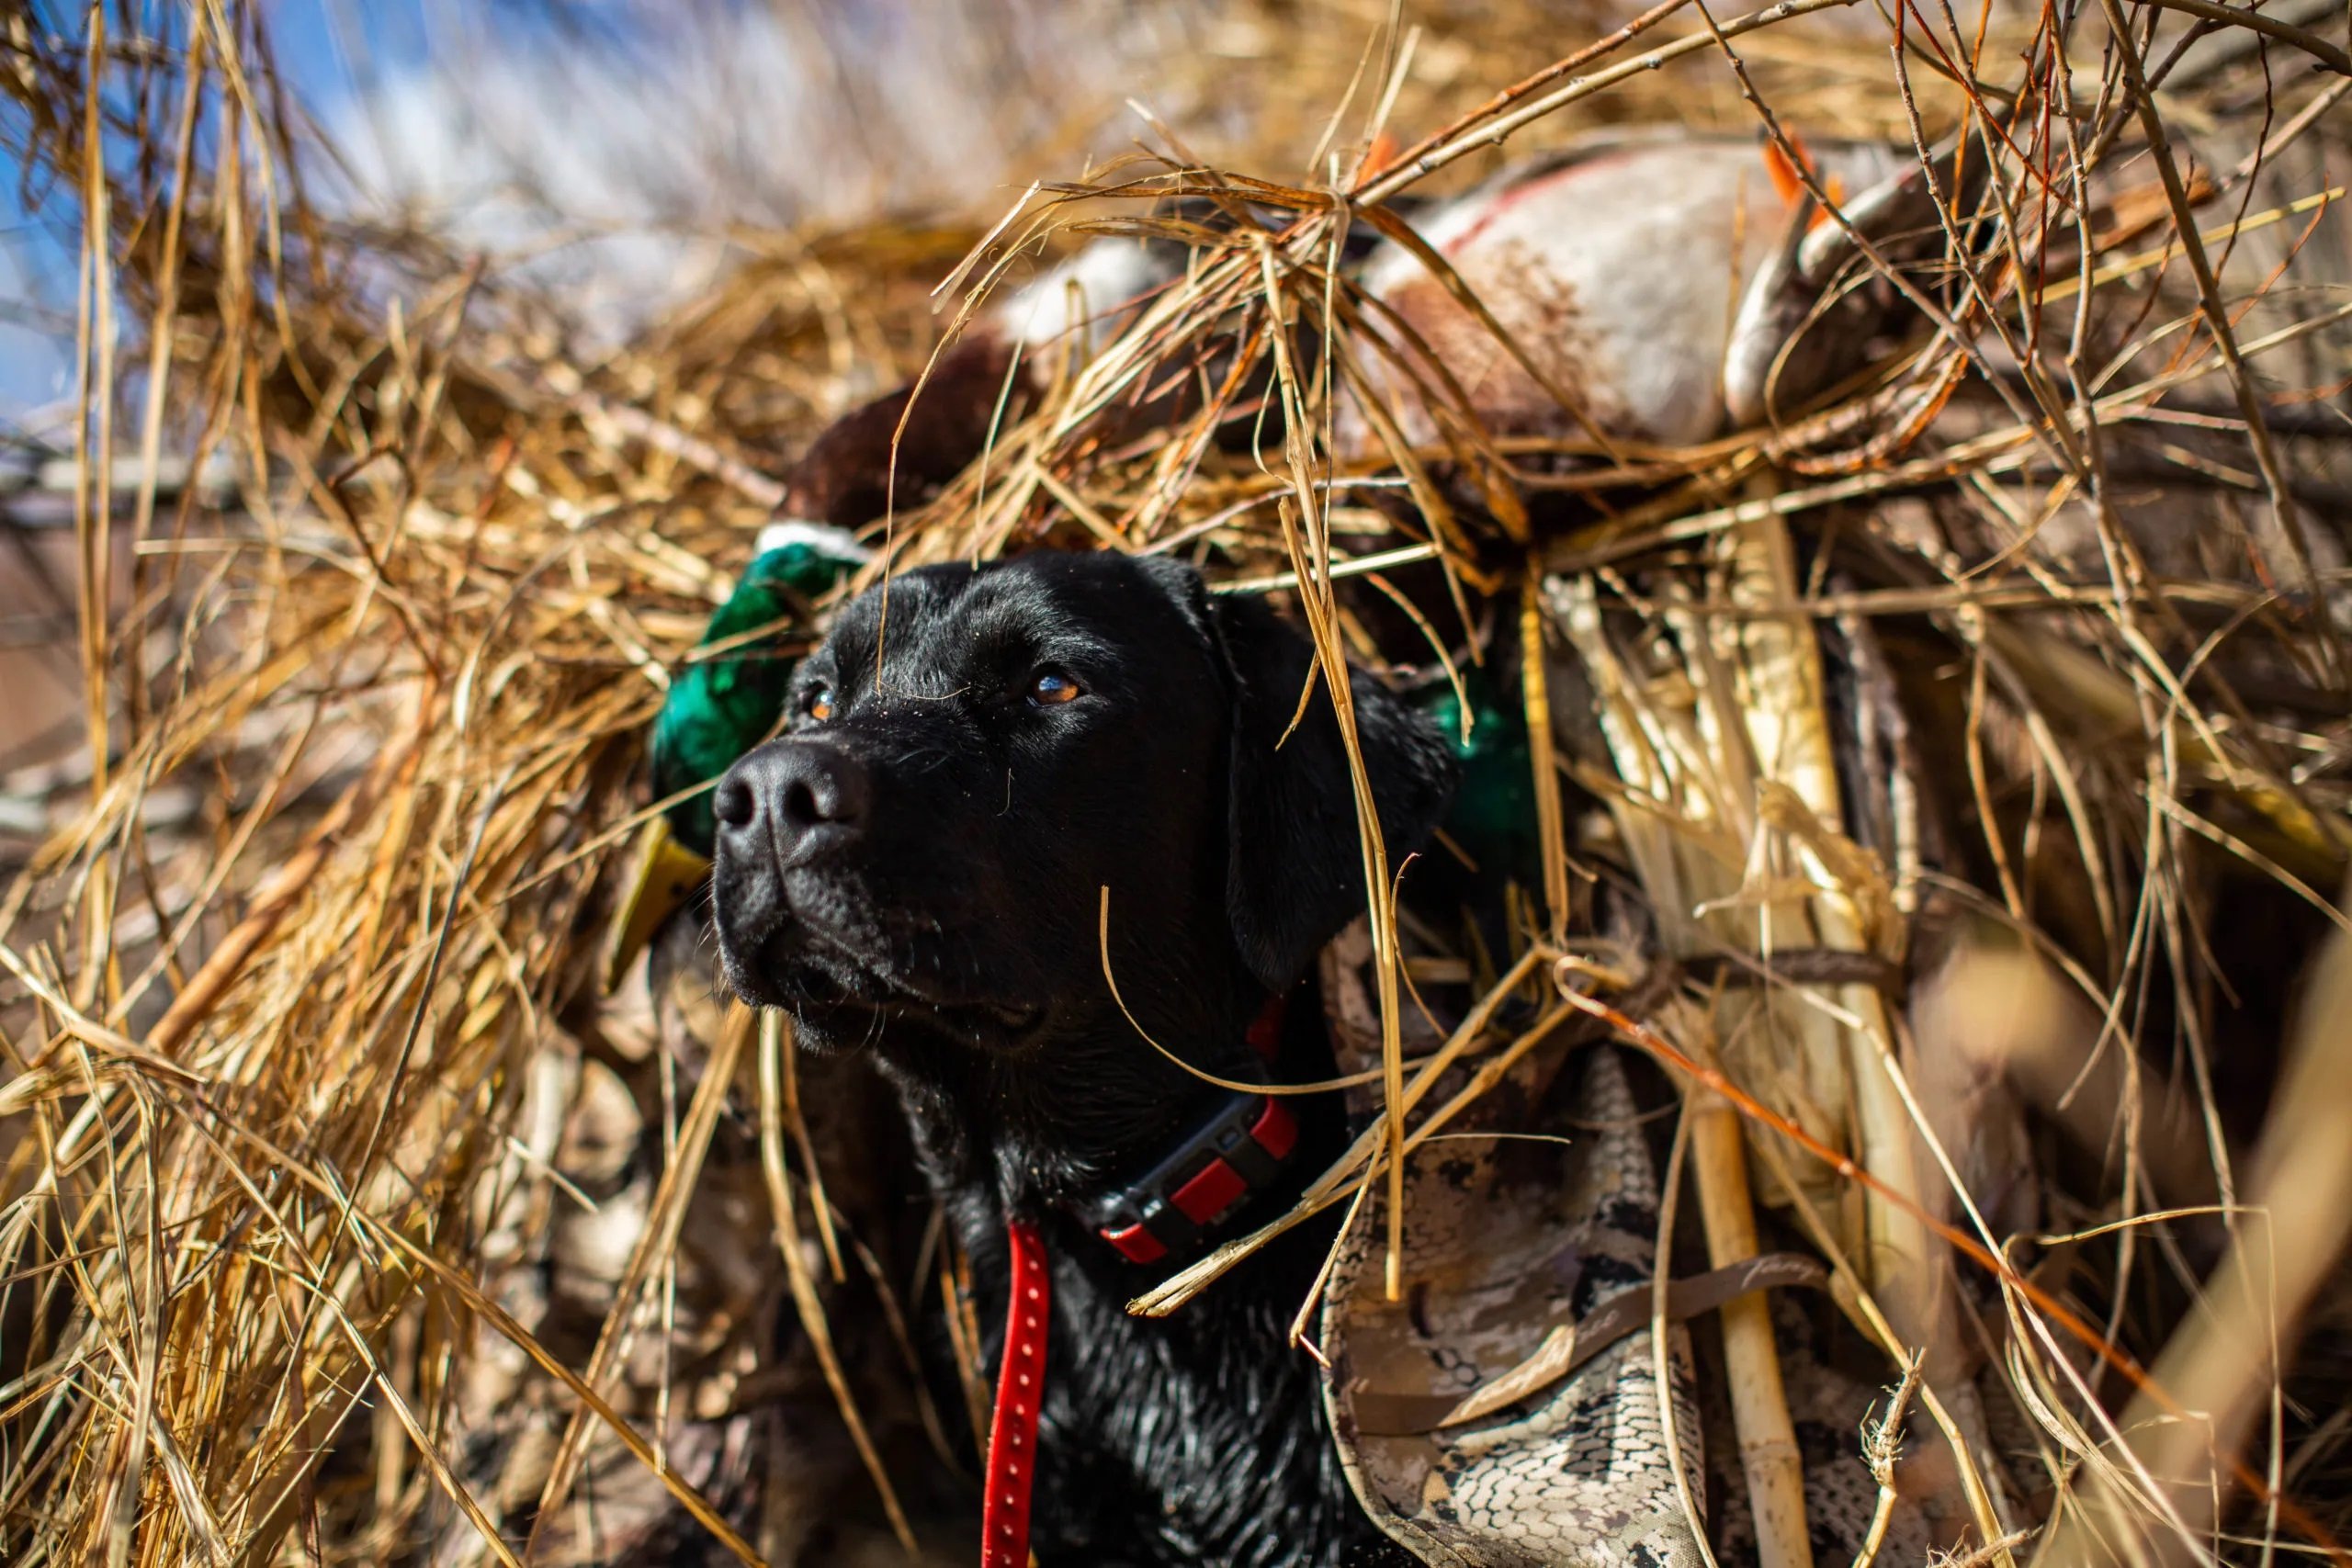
1759 1405
2190 1420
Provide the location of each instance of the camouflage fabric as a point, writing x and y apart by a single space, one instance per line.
1498 1236
1509 1237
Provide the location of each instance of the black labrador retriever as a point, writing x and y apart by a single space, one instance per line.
916 867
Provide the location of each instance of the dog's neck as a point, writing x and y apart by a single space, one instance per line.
1003 1141
1058 1135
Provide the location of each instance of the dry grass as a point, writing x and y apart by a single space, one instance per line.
264 1070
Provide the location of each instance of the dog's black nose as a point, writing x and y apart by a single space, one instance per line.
807 797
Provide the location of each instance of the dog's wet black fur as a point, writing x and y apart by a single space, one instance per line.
915 868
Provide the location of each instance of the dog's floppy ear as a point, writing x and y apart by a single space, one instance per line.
1294 866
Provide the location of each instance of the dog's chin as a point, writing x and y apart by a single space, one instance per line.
911 1026
835 1011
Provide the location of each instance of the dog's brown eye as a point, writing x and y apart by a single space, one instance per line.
819 704
1052 689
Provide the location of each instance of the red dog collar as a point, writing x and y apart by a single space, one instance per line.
1235 1150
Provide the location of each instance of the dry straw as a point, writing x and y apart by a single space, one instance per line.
261 1071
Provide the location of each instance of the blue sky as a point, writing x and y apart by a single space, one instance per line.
326 48
602 149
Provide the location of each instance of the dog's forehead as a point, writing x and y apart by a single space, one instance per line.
1050 606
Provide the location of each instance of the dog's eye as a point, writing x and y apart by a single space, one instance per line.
819 704
1051 688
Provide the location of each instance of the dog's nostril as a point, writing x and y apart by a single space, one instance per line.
801 807
733 803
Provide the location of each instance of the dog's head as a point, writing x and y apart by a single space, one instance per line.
975 754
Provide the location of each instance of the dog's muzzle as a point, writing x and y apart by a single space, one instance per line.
786 807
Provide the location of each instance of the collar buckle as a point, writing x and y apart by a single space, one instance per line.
1238 1149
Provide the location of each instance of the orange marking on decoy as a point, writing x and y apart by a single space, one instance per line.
1790 186
1785 184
